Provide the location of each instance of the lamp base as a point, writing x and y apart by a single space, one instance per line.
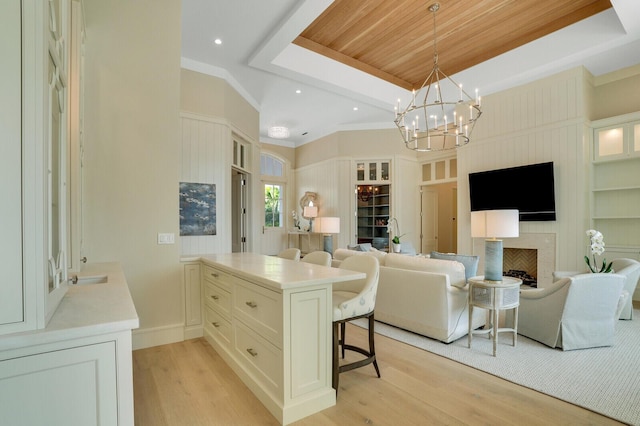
493 260
328 244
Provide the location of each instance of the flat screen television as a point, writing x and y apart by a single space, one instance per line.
530 189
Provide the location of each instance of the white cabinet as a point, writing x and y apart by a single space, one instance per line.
34 109
617 141
77 370
615 185
192 298
217 304
372 171
11 297
72 385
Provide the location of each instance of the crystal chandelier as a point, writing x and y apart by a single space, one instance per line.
437 124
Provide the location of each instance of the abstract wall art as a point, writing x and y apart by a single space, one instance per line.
197 209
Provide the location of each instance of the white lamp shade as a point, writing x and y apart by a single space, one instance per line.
327 225
495 224
310 211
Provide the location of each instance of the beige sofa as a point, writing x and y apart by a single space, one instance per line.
422 295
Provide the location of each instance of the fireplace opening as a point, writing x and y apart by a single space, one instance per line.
521 263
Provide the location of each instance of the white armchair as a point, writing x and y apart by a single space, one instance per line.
630 268
573 313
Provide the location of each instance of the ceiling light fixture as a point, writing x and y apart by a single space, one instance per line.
217 41
438 124
278 132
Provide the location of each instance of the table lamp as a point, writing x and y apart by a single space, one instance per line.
328 226
310 212
494 224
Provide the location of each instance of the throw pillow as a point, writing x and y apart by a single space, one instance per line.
356 247
470 262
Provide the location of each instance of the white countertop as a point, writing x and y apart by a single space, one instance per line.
277 273
85 310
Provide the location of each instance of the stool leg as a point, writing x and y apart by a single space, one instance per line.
372 348
336 363
342 340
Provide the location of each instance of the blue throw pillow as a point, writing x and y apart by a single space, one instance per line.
470 262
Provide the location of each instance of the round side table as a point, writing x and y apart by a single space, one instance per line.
494 296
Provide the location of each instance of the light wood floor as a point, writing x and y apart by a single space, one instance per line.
187 383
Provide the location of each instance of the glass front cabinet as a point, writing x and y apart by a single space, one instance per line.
372 171
373 201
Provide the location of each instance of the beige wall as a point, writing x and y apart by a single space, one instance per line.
617 93
213 97
353 143
130 193
286 153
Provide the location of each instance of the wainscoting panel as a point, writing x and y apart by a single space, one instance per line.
206 158
329 179
539 122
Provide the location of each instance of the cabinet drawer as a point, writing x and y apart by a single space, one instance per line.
259 356
218 299
218 326
218 277
259 308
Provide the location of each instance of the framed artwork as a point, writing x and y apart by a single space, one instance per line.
197 208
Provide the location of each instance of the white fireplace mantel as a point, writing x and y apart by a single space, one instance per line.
545 244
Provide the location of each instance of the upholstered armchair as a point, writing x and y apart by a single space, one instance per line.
575 312
630 268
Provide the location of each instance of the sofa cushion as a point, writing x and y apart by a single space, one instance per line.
341 254
454 269
361 247
470 262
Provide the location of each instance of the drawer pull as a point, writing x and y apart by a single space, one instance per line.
251 304
215 324
214 297
214 275
252 352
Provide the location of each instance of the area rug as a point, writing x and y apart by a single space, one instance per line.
604 380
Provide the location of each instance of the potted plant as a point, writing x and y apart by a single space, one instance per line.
395 241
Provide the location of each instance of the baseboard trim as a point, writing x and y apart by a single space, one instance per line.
149 337
193 332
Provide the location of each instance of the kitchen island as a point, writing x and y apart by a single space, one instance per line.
270 319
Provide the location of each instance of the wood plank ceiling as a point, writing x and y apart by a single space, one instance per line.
393 39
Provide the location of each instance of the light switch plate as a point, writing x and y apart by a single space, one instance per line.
166 238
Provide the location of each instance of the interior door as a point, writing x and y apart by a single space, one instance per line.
238 211
429 213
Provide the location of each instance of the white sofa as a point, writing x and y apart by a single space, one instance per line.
422 295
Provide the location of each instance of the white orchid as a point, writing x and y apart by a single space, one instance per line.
396 238
597 248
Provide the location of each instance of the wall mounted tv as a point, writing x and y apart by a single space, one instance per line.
530 189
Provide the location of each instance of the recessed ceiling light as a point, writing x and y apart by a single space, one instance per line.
298 91
217 41
355 108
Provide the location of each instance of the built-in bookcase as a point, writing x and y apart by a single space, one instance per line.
615 187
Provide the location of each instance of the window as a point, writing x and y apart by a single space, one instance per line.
273 206
272 172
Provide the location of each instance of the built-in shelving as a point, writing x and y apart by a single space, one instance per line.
615 185
374 206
